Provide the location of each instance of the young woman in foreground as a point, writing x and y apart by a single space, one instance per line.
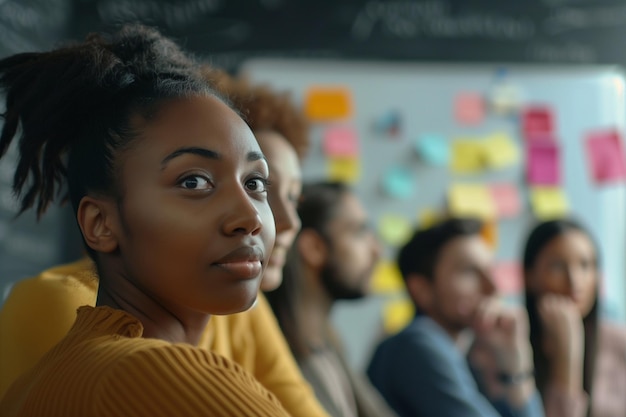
169 188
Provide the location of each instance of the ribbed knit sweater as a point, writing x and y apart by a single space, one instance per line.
103 367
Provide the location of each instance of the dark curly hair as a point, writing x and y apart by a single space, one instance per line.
71 109
263 108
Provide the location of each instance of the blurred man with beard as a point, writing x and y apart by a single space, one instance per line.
333 259
422 371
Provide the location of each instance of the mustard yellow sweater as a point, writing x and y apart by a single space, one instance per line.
39 312
103 367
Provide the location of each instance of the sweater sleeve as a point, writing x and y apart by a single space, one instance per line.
181 380
36 315
275 366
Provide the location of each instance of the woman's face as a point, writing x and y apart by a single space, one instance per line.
567 266
284 192
198 229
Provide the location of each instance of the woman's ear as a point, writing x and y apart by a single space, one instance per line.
421 291
312 248
97 219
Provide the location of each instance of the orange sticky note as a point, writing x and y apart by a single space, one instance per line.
489 232
323 104
341 141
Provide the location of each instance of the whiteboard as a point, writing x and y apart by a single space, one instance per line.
583 98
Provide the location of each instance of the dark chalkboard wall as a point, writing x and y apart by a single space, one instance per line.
226 32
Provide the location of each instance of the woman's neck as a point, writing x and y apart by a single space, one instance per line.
175 325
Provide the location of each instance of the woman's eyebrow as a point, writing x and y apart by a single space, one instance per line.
205 153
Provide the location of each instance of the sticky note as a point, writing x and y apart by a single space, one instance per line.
467 156
327 103
469 108
398 183
549 202
433 149
387 278
397 314
340 141
605 154
394 229
489 233
344 169
543 163
471 200
537 122
500 151
389 123
505 98
507 277
506 199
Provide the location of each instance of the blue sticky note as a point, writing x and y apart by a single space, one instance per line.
433 149
389 123
398 183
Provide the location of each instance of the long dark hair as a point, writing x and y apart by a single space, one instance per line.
71 109
318 205
538 238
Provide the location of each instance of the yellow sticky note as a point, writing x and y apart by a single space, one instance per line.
471 200
344 169
387 278
428 218
549 202
397 314
467 156
326 103
500 151
394 229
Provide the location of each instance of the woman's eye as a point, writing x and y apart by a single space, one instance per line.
257 185
195 182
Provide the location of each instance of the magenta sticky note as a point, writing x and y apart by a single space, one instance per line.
605 153
506 198
543 162
340 141
507 278
537 122
469 108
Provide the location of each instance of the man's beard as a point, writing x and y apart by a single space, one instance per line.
336 288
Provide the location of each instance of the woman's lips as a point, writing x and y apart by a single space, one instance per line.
242 269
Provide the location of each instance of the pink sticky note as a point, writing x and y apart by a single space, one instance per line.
537 122
605 153
469 108
340 141
543 163
507 278
506 198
